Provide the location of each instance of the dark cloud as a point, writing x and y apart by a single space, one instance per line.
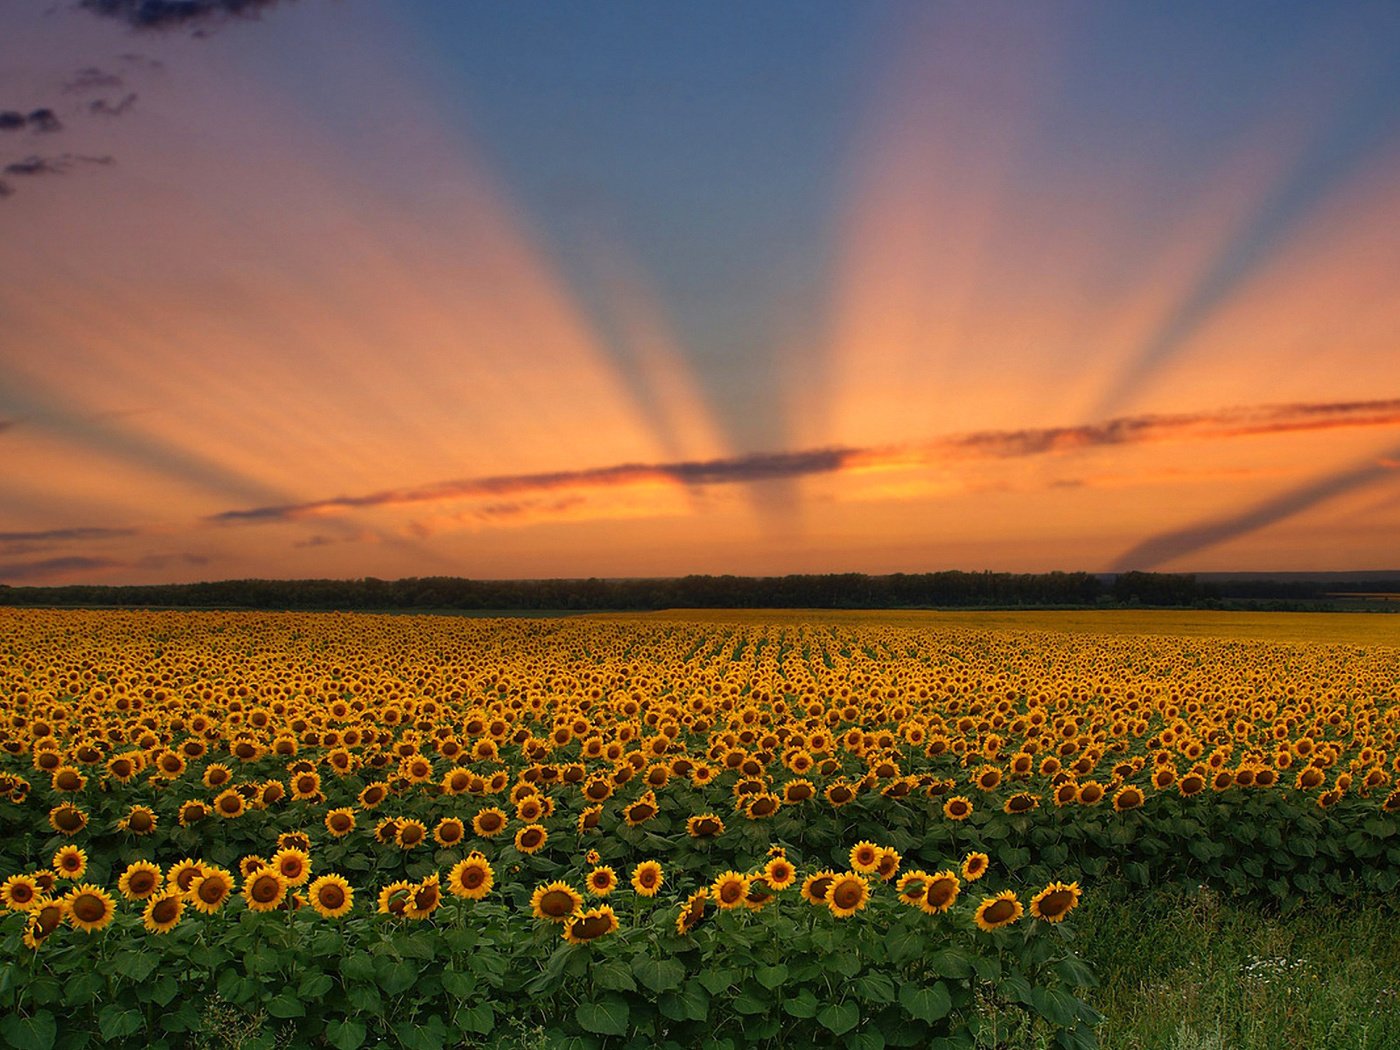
65 535
92 79
36 165
13 544
1179 543
776 466
164 14
5 190
11 120
46 568
107 108
44 120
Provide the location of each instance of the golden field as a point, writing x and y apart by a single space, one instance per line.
377 827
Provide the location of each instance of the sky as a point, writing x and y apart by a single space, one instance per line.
344 288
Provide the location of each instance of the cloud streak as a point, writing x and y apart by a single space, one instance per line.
1179 543
166 14
773 466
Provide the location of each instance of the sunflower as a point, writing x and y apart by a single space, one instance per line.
865 857
45 916
816 886
331 896
838 793
940 892
888 864
1056 901
911 887
692 912
449 832
641 811
386 831
647 878
531 838
393 898
1091 793
265 890
590 925
373 794
975 865
209 892
704 826
192 812
996 912
140 880
89 907
490 822
729 889
340 822
1021 802
250 864
229 804
471 878
181 876
1191 784
588 819
959 807
293 864
555 901
216 775
294 840
70 862
67 778
601 881
19 892
849 893
779 872
66 819
410 833
799 790
139 821
163 913
1127 797
988 777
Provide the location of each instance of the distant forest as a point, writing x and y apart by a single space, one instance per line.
837 591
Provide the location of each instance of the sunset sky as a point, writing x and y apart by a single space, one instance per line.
528 289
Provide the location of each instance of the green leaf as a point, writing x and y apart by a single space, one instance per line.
425 1034
874 987
803 1004
286 1005
36 1032
951 964
315 986
458 984
747 1003
1075 972
395 976
902 945
613 976
931 1003
345 1035
116 1022
83 988
357 967
771 976
605 1016
1055 1006
660 975
134 966
480 1019
839 1018
870 1039
716 981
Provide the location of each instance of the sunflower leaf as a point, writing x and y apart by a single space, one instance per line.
660 975
36 1032
345 1035
839 1018
931 1003
605 1016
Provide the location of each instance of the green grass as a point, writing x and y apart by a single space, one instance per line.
1207 973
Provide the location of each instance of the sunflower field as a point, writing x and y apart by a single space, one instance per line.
325 829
